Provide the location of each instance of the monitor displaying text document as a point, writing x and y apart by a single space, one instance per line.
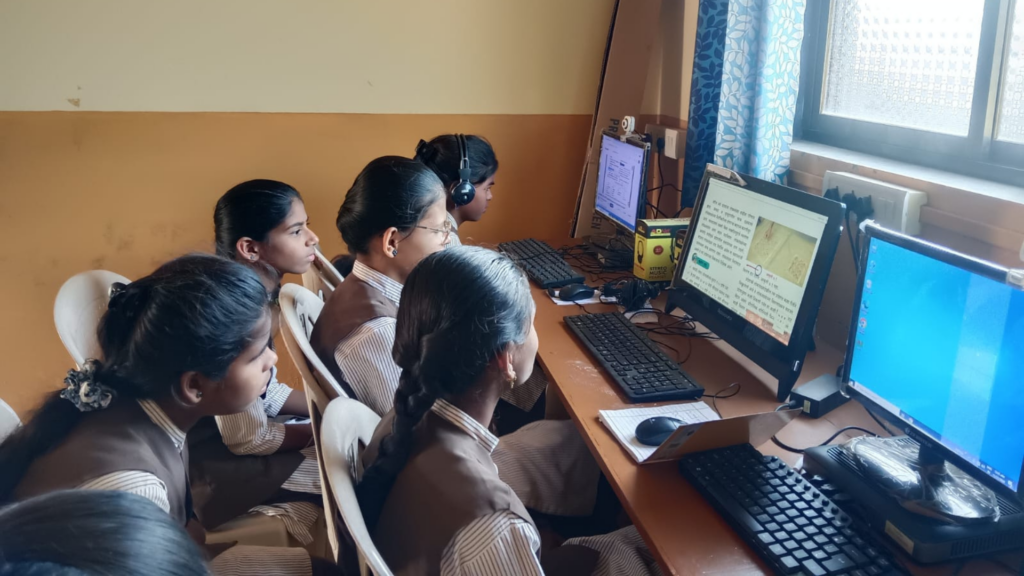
620 181
753 255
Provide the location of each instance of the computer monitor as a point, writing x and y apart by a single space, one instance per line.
622 180
937 346
754 266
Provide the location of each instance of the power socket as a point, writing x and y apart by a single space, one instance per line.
895 207
674 139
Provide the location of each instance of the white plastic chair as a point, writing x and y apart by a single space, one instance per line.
347 428
9 420
322 278
80 304
299 310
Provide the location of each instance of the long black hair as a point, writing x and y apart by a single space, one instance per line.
442 156
195 313
94 533
251 210
390 192
460 308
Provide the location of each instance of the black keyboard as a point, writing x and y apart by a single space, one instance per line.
541 262
792 525
638 366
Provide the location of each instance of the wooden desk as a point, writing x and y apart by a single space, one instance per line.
686 535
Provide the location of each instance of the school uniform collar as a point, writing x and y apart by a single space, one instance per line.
466 423
392 289
160 418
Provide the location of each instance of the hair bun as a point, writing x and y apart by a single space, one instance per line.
85 391
425 152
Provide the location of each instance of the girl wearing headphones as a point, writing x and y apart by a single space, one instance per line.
466 165
432 493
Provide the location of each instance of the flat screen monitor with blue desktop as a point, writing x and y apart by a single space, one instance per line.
937 343
622 180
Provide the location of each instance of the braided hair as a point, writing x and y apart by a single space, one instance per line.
460 309
195 313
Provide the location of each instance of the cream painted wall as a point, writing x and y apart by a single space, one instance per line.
355 56
667 92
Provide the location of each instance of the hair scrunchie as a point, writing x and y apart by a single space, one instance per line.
84 391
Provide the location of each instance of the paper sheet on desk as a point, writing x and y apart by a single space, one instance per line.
622 423
595 299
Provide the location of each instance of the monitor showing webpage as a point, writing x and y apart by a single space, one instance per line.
753 255
620 181
942 349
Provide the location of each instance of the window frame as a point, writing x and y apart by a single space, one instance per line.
978 154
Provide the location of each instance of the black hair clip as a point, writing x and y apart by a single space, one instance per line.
425 152
116 288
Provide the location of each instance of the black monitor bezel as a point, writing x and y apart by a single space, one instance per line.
782 361
641 205
943 254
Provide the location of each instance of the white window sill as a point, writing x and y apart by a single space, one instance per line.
965 183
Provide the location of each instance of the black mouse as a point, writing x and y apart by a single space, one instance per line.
654 431
575 293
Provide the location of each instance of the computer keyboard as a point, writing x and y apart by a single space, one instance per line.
638 366
541 262
792 525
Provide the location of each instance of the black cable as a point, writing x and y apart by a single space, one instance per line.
788 448
656 209
853 249
720 395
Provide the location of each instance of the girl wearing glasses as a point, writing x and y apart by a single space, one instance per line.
392 218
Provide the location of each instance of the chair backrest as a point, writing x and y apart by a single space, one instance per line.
322 278
347 428
80 304
9 420
299 310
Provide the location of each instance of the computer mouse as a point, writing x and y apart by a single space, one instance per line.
575 293
654 431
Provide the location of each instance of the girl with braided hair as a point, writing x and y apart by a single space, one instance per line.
431 493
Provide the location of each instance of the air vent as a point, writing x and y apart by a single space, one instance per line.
985 544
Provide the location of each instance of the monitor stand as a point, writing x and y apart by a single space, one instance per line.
614 252
926 539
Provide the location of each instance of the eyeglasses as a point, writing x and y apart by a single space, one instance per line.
445 229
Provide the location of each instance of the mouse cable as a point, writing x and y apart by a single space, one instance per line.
788 448
722 395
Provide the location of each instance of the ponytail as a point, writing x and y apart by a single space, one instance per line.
50 424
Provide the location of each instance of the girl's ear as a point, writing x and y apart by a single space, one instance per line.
506 364
247 249
190 388
389 242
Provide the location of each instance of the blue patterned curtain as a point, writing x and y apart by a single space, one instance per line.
705 94
758 78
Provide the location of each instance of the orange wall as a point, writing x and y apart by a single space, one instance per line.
127 191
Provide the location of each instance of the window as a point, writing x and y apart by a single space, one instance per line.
935 82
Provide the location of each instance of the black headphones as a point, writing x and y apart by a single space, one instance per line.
463 191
